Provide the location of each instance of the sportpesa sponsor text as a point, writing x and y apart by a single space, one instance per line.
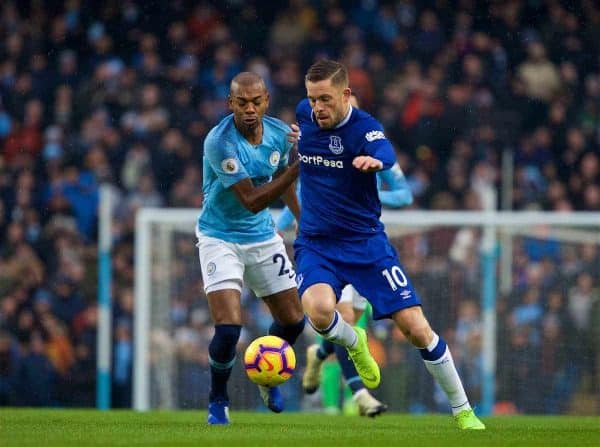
319 160
337 148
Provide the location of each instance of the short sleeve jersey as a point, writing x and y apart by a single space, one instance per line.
338 200
228 159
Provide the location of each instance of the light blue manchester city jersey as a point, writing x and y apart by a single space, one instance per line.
229 158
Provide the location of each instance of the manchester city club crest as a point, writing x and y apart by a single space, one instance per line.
335 144
274 158
211 268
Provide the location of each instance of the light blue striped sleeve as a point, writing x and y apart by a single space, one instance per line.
398 193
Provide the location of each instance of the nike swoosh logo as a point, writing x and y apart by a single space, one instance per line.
271 367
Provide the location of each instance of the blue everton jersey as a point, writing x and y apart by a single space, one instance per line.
338 200
229 158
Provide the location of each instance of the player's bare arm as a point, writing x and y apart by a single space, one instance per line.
366 163
257 198
290 198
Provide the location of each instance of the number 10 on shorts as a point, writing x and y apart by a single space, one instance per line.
395 277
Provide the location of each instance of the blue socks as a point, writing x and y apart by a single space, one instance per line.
325 349
348 369
221 357
289 332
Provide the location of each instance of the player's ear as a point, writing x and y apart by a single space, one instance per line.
347 93
230 103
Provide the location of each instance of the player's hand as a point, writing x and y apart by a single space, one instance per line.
366 163
294 134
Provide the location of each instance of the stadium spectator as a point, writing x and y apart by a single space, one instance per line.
122 365
36 377
540 75
9 357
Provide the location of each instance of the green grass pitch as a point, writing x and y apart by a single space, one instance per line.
25 427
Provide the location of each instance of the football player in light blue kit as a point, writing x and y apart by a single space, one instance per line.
394 192
245 169
341 239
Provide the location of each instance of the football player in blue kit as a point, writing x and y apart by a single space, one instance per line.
342 241
245 168
394 192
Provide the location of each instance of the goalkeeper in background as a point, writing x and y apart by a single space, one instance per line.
394 192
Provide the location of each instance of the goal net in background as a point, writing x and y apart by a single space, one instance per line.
514 294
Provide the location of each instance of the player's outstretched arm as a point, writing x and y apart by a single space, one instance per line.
286 220
366 163
257 198
398 193
396 199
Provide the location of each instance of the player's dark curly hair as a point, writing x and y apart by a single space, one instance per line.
327 69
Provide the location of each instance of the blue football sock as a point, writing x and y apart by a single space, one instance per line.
325 349
221 357
348 370
288 332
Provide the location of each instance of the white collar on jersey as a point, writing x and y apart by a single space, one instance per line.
346 118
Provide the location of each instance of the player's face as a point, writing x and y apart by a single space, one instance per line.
329 102
248 104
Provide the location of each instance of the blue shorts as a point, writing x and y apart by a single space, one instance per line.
370 265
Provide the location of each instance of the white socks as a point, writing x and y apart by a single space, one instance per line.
338 332
444 372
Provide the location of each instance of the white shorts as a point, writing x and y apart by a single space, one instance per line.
263 266
350 295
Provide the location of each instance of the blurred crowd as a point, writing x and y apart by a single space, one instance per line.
123 92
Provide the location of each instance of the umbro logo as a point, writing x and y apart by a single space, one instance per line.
405 294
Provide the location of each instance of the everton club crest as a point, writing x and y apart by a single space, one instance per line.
335 144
